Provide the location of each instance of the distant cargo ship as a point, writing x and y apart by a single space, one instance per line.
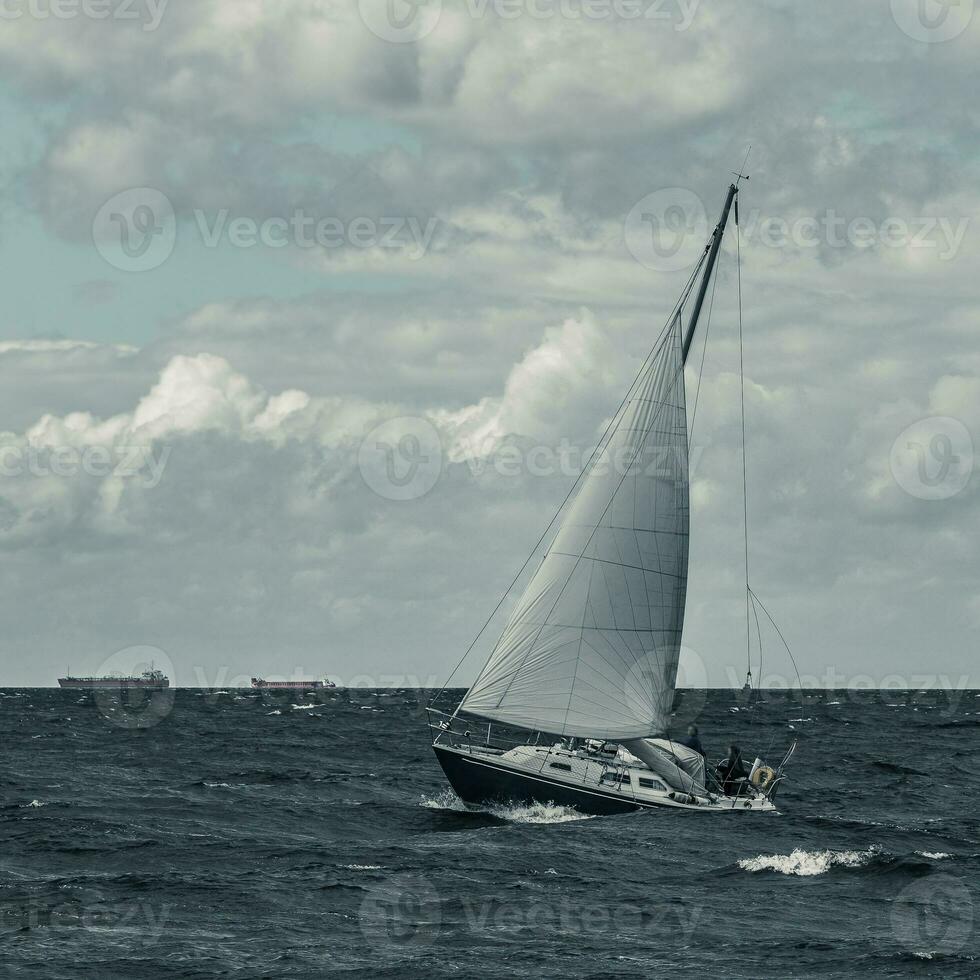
149 679
263 685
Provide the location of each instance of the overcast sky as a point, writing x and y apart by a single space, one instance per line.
239 235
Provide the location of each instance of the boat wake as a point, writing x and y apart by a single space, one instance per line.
538 813
805 864
446 800
533 813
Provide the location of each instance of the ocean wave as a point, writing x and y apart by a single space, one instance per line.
805 864
893 767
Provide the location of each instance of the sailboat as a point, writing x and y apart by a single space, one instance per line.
573 706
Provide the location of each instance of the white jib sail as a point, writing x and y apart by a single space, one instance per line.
591 648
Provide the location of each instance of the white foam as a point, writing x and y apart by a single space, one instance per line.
446 800
303 707
934 855
804 864
362 867
33 805
276 712
513 813
538 813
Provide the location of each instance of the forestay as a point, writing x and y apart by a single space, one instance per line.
591 648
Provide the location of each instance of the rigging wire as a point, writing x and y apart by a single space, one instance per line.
758 633
661 338
779 633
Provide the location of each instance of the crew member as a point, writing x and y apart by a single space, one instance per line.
731 772
691 740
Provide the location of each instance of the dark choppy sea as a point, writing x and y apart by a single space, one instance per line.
252 836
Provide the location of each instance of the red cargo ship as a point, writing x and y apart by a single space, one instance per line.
151 679
263 685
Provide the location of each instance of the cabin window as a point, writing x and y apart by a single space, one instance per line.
615 777
564 766
652 784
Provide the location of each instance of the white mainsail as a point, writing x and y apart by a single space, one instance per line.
591 648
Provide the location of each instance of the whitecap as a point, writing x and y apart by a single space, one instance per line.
362 867
276 712
303 707
934 855
33 805
804 864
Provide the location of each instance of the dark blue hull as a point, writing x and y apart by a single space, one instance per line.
478 780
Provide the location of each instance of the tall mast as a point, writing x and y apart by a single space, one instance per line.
712 247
